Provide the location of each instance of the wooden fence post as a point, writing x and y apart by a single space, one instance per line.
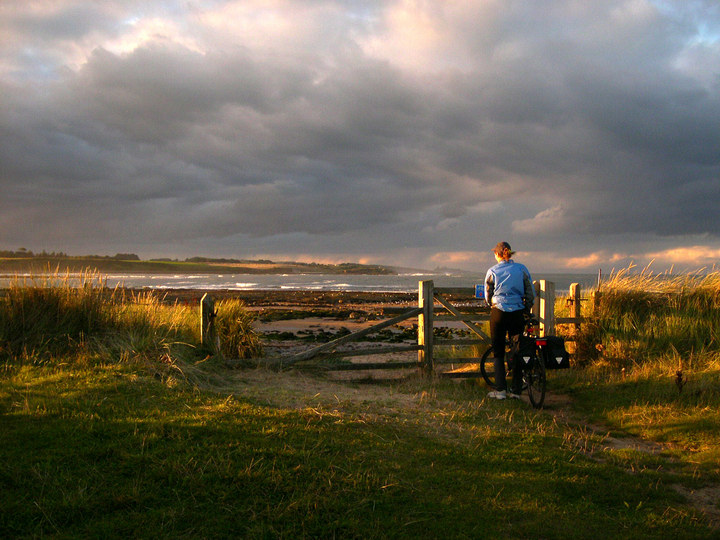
536 303
575 310
426 302
207 321
547 308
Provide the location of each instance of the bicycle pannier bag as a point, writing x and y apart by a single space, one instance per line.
523 347
556 356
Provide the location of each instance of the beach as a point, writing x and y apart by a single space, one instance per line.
292 321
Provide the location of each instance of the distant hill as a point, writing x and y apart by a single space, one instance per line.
23 261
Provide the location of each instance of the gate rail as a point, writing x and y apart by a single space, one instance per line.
430 299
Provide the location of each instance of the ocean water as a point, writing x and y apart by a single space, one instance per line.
319 282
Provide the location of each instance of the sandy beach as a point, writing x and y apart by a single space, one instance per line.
292 321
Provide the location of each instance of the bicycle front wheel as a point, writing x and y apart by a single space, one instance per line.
535 378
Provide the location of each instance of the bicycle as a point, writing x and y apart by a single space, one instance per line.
532 352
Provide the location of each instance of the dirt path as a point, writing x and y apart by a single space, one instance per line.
706 500
419 401
295 389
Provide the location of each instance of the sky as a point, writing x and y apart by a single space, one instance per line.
408 133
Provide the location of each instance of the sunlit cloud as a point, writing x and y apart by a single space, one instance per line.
151 30
456 258
688 256
548 221
593 260
409 36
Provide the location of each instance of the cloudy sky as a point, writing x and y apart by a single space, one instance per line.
415 133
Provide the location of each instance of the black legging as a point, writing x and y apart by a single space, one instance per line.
502 324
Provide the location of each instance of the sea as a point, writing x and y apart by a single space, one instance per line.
404 282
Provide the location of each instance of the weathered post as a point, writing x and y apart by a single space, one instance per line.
536 303
207 321
596 295
575 311
426 302
547 308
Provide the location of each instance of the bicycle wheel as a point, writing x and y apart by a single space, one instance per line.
534 377
487 368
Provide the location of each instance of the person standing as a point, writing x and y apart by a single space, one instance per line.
509 291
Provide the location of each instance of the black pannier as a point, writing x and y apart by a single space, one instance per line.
523 348
555 354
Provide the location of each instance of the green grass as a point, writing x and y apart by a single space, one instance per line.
119 424
108 452
651 362
648 404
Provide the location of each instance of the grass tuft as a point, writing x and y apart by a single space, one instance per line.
642 318
234 324
71 318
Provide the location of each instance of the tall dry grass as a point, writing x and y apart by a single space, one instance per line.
62 318
42 316
238 339
646 318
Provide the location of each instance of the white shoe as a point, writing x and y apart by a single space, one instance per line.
497 394
512 395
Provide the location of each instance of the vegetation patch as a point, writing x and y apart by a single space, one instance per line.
110 451
116 422
649 365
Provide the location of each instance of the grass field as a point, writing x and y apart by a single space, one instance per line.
118 423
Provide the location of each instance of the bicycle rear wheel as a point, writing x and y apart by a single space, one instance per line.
534 377
487 368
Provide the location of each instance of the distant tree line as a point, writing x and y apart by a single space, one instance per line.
225 261
23 253
345 268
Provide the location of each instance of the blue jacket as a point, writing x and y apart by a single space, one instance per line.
508 286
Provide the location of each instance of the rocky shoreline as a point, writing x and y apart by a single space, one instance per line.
255 298
289 322
259 298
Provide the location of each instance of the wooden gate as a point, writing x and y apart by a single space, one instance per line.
430 301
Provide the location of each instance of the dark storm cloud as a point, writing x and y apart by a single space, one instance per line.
360 129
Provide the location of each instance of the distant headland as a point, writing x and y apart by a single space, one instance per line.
23 260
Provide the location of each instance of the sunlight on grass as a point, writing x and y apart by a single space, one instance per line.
120 424
60 319
650 358
645 316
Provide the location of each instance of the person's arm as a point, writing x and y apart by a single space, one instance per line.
529 297
489 287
